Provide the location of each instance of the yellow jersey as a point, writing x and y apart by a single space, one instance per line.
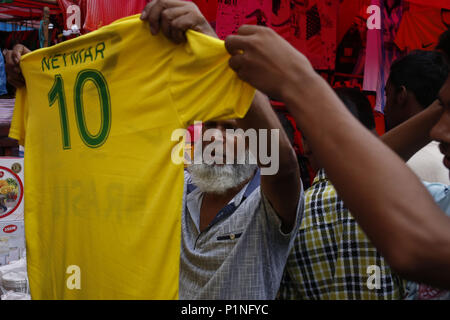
103 197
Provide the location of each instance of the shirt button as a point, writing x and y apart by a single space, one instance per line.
232 236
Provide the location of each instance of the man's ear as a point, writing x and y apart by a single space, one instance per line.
401 96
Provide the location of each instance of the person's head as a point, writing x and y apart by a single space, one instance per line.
359 106
444 44
413 84
441 130
218 172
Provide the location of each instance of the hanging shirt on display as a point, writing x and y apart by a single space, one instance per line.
103 208
2 76
420 28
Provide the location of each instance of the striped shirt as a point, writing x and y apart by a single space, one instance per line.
241 254
332 258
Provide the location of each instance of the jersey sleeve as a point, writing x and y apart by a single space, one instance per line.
18 123
202 85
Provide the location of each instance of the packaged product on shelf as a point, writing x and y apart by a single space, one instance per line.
14 281
11 295
11 189
12 241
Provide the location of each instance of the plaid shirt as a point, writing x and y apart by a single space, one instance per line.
331 255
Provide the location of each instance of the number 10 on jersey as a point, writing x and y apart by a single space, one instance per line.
57 93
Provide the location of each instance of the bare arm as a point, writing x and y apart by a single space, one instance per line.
282 188
384 195
412 135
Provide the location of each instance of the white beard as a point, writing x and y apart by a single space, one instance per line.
220 178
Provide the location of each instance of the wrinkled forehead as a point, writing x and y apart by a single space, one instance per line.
220 125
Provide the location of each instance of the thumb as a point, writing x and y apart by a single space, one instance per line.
16 57
236 44
18 51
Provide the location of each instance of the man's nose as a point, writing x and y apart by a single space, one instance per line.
218 136
441 130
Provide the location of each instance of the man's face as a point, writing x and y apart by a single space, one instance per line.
229 141
441 130
392 111
219 177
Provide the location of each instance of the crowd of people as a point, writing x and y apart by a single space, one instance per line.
376 202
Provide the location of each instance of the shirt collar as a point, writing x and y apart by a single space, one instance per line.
194 199
321 176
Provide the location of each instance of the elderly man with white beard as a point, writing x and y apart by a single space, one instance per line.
238 224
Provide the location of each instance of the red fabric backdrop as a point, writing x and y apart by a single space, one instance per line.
432 3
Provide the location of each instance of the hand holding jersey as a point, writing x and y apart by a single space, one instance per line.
174 18
12 65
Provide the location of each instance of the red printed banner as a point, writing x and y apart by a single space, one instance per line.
441 4
421 27
208 8
310 26
102 12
